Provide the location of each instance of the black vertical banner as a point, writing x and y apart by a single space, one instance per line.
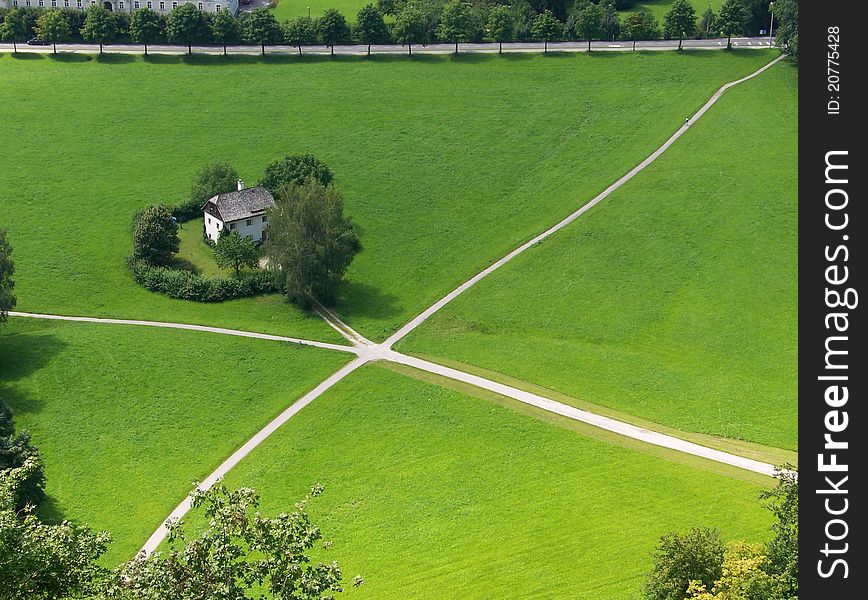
833 366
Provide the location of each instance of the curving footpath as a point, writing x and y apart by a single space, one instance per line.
368 351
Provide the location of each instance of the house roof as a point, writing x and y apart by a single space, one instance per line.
242 204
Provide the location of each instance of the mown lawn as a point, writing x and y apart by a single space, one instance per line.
675 300
445 163
289 9
659 8
430 493
127 418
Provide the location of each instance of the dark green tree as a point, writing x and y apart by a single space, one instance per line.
783 550
500 26
39 561
707 22
559 8
15 449
14 28
547 28
7 284
53 27
295 168
457 23
391 7
212 179
640 26
310 241
226 29
732 19
155 235
680 21
682 558
187 25
332 28
411 27
370 27
589 23
787 26
299 32
236 252
262 28
100 25
145 26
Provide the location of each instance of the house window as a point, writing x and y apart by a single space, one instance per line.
14 2
121 4
174 5
150 5
27 2
264 219
66 3
53 3
201 6
249 222
41 2
218 8
79 3
231 226
136 4
162 6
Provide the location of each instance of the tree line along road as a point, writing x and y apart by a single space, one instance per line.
360 49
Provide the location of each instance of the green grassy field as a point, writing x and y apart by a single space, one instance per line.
445 163
430 493
659 8
127 418
675 300
289 9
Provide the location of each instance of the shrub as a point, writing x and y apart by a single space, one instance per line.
187 285
155 235
295 169
683 558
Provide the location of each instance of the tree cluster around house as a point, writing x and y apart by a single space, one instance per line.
309 246
419 22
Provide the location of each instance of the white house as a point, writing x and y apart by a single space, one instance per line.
128 6
242 211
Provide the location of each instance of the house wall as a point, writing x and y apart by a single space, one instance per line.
161 6
254 230
213 226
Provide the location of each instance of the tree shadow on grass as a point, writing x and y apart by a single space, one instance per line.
27 56
21 355
69 57
359 299
108 58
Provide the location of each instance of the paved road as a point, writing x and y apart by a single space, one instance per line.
359 50
368 351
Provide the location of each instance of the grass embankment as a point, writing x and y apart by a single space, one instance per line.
674 300
445 163
127 418
430 493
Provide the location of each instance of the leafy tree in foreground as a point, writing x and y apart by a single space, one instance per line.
546 27
332 28
187 25
299 32
370 27
236 252
310 241
15 450
100 25
239 551
500 26
743 577
457 23
39 561
155 236
295 168
783 550
787 18
411 27
683 558
680 21
53 27
7 270
732 19
262 28
640 26
14 28
226 29
213 178
145 25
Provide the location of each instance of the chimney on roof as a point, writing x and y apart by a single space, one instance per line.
240 185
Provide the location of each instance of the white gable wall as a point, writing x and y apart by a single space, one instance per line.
254 230
213 227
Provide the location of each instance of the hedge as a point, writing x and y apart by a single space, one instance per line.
188 285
